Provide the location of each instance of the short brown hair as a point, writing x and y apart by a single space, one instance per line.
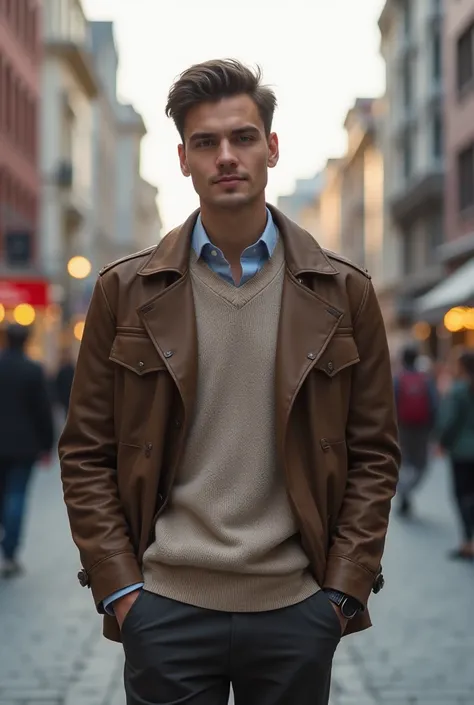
213 80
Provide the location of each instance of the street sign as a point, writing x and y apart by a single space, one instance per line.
14 292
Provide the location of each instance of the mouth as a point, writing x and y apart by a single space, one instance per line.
230 180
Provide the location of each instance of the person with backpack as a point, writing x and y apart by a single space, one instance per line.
416 403
455 433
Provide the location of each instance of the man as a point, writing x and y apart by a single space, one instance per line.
416 403
26 436
231 454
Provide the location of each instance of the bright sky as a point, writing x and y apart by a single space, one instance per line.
319 55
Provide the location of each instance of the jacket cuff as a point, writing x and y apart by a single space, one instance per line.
348 577
111 575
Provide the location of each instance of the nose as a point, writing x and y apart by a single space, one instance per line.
226 157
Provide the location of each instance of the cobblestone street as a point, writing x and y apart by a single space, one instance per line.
419 652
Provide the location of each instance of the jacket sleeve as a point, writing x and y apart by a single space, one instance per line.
88 456
373 460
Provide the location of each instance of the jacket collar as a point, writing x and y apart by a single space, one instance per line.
302 253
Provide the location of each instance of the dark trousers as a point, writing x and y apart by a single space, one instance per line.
179 654
463 482
14 480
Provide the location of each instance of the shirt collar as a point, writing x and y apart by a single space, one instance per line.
269 237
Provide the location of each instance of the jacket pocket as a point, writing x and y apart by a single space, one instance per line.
137 354
341 353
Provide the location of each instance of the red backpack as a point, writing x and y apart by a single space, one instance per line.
413 399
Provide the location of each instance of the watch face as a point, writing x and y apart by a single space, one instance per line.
349 608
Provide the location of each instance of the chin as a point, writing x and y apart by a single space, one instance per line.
232 200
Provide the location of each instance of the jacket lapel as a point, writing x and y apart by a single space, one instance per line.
307 321
307 324
168 316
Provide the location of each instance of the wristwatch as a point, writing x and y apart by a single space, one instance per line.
349 606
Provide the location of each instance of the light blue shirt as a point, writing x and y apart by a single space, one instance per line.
252 260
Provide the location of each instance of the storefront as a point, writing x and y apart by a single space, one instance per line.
448 310
28 302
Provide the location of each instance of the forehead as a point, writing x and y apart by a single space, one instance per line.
223 116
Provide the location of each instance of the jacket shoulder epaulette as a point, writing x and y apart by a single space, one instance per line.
134 255
341 258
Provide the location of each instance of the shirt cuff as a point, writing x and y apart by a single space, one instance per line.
107 603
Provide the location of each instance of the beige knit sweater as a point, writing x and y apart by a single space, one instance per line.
228 540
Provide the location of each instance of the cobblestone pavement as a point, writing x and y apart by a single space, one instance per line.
420 651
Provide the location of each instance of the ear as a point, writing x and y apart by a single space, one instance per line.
183 162
273 150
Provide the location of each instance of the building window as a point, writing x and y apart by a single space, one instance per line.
437 136
466 178
435 235
436 60
407 154
407 78
407 6
465 60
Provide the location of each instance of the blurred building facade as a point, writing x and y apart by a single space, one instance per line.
459 119
330 206
302 205
411 32
105 138
71 195
450 305
362 177
69 88
21 286
136 205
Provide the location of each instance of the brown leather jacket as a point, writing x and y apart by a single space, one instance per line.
133 396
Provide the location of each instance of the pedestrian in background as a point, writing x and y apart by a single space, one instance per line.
63 381
230 452
26 436
455 432
416 401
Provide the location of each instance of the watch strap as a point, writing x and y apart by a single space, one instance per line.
348 605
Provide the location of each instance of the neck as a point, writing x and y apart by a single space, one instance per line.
233 231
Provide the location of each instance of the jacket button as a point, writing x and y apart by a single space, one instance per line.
83 578
141 364
169 353
300 281
330 366
311 356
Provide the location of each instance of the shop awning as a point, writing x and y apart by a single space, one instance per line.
456 290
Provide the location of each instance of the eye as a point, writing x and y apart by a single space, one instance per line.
204 143
246 138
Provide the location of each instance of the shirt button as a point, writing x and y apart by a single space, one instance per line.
330 366
141 364
214 253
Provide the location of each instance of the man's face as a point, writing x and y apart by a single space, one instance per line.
226 152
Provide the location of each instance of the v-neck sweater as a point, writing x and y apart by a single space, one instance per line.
228 539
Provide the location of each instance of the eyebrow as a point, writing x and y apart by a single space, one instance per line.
238 131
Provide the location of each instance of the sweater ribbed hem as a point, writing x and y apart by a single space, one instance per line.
229 592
